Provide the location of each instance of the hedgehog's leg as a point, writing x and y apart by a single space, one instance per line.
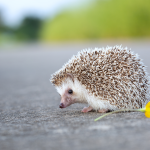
103 110
87 109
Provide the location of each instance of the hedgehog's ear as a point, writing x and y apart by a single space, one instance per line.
69 75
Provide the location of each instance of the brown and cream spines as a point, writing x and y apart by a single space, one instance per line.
114 74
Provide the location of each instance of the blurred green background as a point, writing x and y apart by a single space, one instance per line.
100 19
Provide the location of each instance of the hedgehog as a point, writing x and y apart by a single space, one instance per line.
106 79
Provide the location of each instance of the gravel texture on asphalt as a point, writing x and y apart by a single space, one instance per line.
29 115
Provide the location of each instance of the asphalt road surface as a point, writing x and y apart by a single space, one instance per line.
30 117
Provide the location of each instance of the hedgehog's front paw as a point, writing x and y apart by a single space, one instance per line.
87 109
103 110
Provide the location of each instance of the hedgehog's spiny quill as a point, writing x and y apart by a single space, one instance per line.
110 78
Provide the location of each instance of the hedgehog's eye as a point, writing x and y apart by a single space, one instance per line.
70 91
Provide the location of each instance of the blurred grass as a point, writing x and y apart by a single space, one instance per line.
101 19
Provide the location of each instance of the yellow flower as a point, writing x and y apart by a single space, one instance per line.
147 110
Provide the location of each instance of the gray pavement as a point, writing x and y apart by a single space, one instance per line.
29 115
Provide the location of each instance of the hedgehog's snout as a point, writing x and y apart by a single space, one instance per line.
61 105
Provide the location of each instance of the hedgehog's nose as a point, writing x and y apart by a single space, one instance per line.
61 105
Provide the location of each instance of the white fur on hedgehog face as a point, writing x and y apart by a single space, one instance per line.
78 95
